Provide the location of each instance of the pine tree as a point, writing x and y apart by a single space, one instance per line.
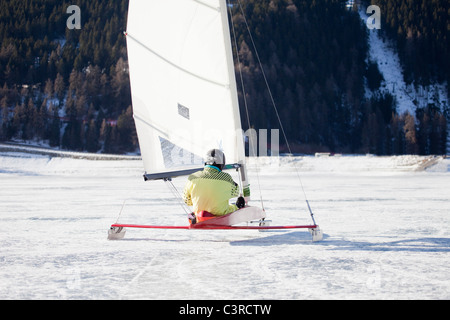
41 121
126 131
409 130
60 87
92 137
105 137
54 127
120 85
49 88
4 115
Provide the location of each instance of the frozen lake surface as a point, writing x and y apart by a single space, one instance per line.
385 222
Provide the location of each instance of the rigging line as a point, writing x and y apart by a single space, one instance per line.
176 194
275 108
245 103
121 209
207 5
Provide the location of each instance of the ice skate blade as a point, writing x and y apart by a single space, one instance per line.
316 233
260 223
116 233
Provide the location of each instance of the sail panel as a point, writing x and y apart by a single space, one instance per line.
182 82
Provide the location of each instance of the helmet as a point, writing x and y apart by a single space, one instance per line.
215 157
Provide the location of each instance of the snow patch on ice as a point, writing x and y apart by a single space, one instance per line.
345 164
84 164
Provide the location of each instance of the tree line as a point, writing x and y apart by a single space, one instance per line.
421 30
71 87
315 57
66 86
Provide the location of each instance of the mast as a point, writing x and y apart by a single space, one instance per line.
234 100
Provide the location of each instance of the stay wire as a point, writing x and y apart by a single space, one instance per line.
274 106
176 194
120 212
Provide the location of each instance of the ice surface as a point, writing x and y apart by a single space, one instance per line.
385 221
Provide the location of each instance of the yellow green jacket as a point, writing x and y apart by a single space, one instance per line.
210 190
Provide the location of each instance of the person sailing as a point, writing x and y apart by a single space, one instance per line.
209 191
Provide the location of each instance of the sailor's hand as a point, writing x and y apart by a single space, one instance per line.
240 202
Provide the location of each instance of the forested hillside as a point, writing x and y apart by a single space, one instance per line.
421 29
67 86
70 87
329 93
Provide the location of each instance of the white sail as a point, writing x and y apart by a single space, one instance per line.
182 83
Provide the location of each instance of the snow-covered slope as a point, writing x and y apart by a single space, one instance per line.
408 97
46 151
